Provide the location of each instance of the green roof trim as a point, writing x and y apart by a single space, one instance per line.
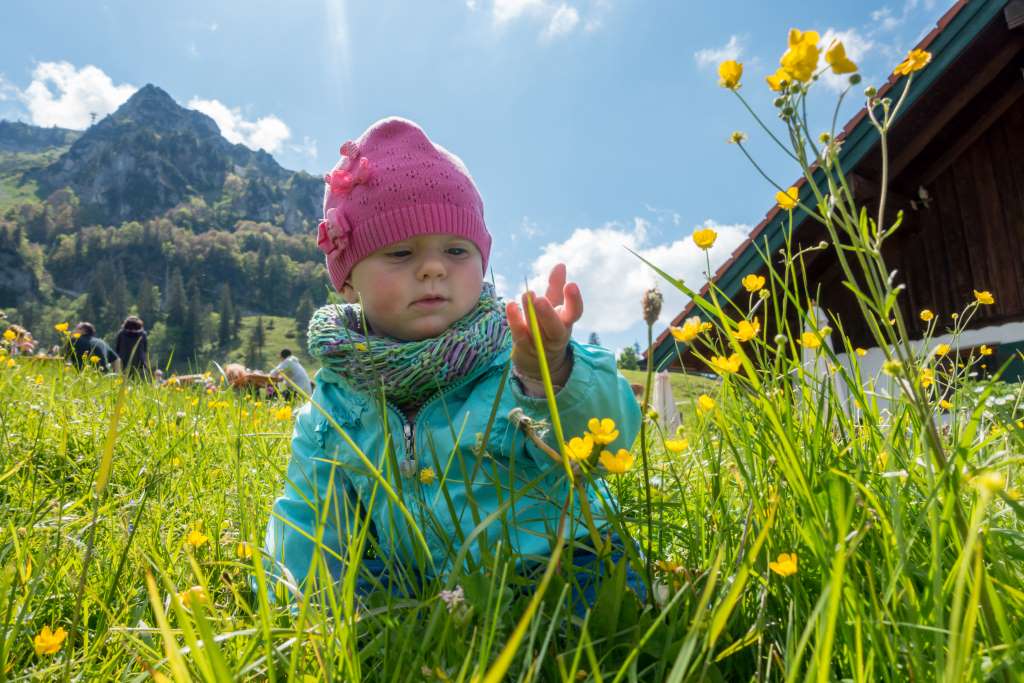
945 48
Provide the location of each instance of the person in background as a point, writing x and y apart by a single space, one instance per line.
132 346
23 343
291 368
85 346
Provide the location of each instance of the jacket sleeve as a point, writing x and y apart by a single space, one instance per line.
594 389
311 515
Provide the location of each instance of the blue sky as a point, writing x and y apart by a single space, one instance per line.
588 125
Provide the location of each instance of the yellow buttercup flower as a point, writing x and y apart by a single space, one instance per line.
836 57
11 363
785 565
945 405
927 377
196 595
801 59
428 476
61 327
243 550
618 463
196 538
984 297
985 350
603 431
49 642
752 282
677 445
989 481
860 351
94 359
942 349
737 137
689 331
9 335
788 200
747 330
810 340
882 459
705 403
723 365
915 61
39 379
778 80
926 315
729 73
705 327
580 448
705 238
283 413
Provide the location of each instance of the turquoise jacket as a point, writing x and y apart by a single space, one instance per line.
326 478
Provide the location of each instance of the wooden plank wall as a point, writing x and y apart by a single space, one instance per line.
970 236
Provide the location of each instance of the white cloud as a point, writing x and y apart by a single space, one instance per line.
528 229
857 47
559 18
563 21
733 49
266 132
7 89
507 10
61 95
612 280
306 149
501 286
884 19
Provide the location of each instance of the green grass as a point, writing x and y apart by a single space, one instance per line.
277 338
14 189
685 387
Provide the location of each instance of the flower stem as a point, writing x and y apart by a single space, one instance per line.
647 472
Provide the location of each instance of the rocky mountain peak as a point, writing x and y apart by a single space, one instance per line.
152 155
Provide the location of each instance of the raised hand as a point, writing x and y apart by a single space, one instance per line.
557 311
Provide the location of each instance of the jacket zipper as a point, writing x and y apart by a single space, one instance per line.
409 427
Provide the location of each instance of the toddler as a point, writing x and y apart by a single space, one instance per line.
414 368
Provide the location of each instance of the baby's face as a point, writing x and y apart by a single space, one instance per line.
416 288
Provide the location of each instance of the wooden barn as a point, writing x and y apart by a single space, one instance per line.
956 170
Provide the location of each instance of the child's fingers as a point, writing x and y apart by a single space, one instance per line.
551 327
573 308
516 322
556 282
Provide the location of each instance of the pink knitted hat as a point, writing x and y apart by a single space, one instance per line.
390 184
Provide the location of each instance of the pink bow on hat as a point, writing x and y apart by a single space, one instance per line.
332 233
342 180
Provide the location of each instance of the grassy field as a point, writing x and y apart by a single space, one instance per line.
685 387
150 562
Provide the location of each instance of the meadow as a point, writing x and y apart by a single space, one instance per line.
790 531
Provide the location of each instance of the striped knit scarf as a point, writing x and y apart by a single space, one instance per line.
409 371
